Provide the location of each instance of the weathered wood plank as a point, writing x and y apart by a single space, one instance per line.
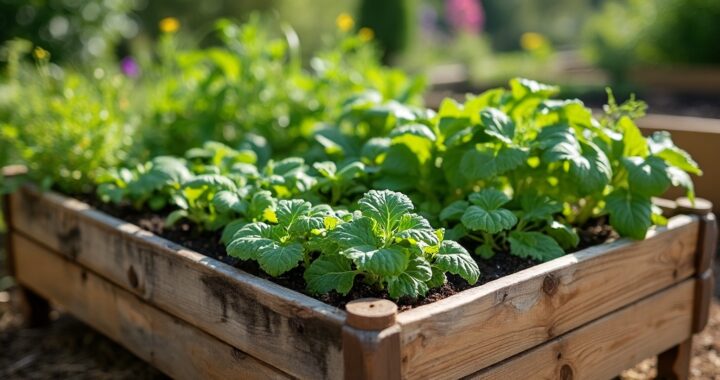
604 348
482 326
175 347
245 311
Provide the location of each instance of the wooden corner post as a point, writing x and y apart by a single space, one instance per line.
371 340
35 310
675 362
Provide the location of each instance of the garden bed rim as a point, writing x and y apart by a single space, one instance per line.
335 314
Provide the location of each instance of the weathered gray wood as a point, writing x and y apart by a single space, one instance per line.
175 347
479 327
609 345
245 311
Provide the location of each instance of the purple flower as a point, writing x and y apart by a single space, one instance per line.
129 67
465 15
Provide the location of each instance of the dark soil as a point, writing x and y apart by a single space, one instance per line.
208 243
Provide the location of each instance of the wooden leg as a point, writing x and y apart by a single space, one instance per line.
674 364
34 309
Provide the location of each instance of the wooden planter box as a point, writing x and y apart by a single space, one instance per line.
590 314
700 137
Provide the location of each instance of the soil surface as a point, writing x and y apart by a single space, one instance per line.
597 231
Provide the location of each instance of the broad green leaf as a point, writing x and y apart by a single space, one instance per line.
214 181
534 245
326 168
438 278
412 282
374 149
230 229
592 171
227 201
485 251
289 211
385 207
634 144
493 221
453 258
522 87
537 208
288 166
489 199
647 176
565 235
418 130
662 146
457 232
175 216
558 143
416 228
454 211
358 232
276 259
304 225
498 125
678 177
351 171
388 261
260 201
482 162
250 240
330 272
478 164
629 213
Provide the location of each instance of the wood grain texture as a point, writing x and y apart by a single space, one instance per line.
482 326
605 347
252 314
372 355
178 349
704 289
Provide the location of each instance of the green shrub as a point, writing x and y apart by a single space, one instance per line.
62 124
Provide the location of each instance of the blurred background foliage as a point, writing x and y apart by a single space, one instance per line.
613 34
99 70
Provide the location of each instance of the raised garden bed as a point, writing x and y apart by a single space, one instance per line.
589 314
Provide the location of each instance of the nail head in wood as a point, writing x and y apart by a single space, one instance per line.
371 313
700 207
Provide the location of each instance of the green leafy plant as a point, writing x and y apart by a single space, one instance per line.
390 247
63 124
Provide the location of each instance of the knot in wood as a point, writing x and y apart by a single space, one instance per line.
566 372
371 313
550 284
133 277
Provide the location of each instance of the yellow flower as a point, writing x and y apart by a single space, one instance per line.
41 54
366 34
344 22
169 25
532 41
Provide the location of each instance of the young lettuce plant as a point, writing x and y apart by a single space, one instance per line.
526 227
155 184
243 209
218 158
196 201
283 245
391 247
339 183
